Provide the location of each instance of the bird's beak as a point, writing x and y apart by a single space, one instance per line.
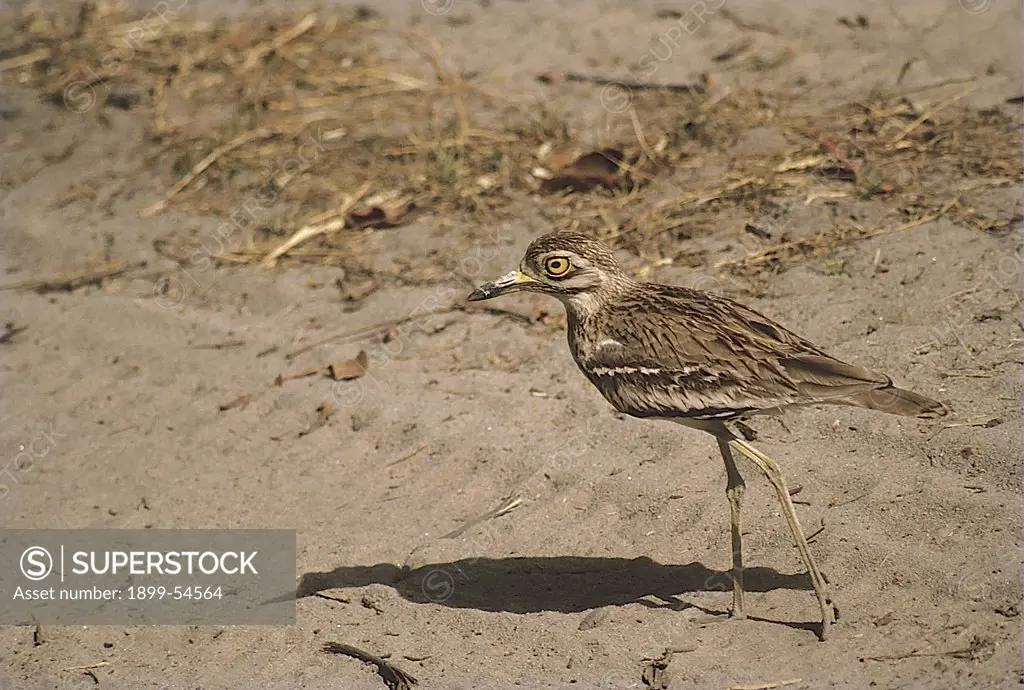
513 282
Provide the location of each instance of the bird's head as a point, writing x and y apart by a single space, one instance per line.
566 265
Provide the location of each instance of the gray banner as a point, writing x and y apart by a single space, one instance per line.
147 577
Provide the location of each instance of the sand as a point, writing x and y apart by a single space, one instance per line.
618 548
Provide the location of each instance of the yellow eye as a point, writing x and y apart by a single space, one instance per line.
557 266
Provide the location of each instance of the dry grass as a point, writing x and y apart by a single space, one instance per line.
298 117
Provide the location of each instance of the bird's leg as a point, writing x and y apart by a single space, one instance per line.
774 474
734 492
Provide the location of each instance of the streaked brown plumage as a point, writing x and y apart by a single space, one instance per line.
696 358
697 355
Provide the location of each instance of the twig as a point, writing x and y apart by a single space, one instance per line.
938 85
912 224
11 330
634 85
454 86
219 346
703 196
201 166
321 227
259 52
364 331
772 252
394 677
767 686
929 113
810 537
799 164
24 60
848 501
984 423
966 374
281 378
419 146
395 323
639 132
698 198
407 456
87 667
748 26
507 506
963 653
76 281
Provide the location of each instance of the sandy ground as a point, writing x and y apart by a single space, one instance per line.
617 551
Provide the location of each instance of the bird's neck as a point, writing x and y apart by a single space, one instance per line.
585 312
582 306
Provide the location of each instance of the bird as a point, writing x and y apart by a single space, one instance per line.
699 359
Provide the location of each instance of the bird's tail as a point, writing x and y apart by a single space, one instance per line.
900 401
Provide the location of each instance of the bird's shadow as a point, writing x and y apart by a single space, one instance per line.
563 584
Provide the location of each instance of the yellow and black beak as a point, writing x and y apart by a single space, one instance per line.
513 282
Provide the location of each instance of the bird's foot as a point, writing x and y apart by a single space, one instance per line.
830 616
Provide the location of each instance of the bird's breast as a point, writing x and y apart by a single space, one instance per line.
586 342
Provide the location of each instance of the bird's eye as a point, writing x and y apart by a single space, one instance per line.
557 266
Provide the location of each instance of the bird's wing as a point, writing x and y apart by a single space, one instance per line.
701 355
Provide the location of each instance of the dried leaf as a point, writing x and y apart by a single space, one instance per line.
604 168
388 215
350 369
848 169
241 401
562 159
